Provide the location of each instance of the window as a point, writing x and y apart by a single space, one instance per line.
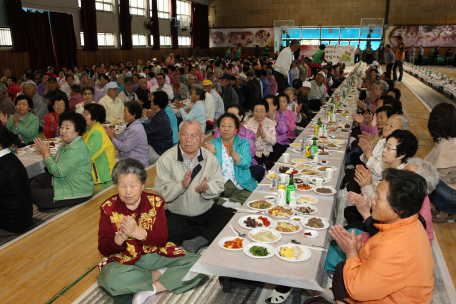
293 33
355 43
165 41
151 40
5 37
330 33
163 7
349 32
343 42
184 12
310 33
184 41
82 38
139 40
310 42
102 5
138 7
105 39
334 42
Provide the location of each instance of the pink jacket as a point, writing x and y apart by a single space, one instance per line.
291 124
244 134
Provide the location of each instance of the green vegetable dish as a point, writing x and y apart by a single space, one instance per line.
258 251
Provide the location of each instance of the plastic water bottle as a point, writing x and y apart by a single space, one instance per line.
275 181
303 147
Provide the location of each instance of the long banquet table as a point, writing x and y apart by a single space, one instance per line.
307 274
441 85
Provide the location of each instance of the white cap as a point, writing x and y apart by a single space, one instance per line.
306 84
142 74
375 63
322 73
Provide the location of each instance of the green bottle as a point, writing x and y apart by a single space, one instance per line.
291 188
319 123
313 148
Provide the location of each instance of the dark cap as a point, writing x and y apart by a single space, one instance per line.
129 80
226 77
52 79
50 68
38 72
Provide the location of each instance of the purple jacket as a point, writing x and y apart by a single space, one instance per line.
244 134
133 143
281 128
98 94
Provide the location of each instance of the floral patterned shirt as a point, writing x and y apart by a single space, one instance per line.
263 145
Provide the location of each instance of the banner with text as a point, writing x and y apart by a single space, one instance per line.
247 37
333 53
425 35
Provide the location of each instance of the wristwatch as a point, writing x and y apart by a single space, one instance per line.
145 236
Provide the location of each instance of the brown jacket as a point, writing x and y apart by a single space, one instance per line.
400 51
6 105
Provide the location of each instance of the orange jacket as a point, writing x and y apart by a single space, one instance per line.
394 266
400 54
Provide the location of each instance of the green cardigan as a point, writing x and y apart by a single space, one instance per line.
72 173
28 127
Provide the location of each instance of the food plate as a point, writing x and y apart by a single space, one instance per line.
56 140
271 176
325 167
312 234
339 141
325 180
269 235
296 218
310 172
256 217
333 191
330 146
322 155
33 151
286 222
307 200
298 189
295 150
295 144
312 209
307 219
20 153
232 238
269 248
266 202
304 250
345 130
323 162
299 161
280 212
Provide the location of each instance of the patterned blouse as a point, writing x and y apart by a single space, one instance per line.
263 145
228 168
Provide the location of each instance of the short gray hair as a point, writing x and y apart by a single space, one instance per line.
120 76
404 122
210 74
383 85
30 83
3 88
291 89
198 84
190 122
269 71
427 170
191 75
129 166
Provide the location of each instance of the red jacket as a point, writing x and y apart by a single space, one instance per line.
13 90
47 125
74 100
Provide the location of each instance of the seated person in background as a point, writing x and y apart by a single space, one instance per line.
209 106
113 105
162 86
66 87
23 123
395 104
87 93
155 265
302 92
265 133
54 91
100 147
233 154
317 95
128 94
16 205
158 126
40 108
13 88
69 181
395 93
387 268
290 115
133 142
6 104
189 178
198 110
143 93
76 97
280 121
51 120
180 91
219 107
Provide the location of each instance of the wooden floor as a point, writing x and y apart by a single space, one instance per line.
57 263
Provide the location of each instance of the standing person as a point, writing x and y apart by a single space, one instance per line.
237 52
228 53
407 54
436 55
381 53
370 54
420 55
257 51
431 57
265 52
318 58
357 54
412 54
400 56
227 92
448 55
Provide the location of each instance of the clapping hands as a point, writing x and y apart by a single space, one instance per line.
363 176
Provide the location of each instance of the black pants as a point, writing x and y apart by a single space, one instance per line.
209 126
257 172
389 68
282 83
352 215
419 60
43 194
398 64
208 225
349 181
314 104
355 160
370 58
273 157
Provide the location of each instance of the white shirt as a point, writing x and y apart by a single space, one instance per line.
210 107
166 88
114 108
123 96
4 152
283 62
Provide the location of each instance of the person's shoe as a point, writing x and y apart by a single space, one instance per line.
279 294
434 211
142 296
442 217
193 245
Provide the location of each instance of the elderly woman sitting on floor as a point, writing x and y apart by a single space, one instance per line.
233 154
133 237
395 266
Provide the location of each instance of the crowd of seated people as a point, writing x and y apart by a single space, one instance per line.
255 107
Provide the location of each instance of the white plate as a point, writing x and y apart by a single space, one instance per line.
248 205
280 217
296 150
339 142
335 168
54 139
298 217
231 238
294 223
333 191
20 153
325 180
243 225
315 209
307 175
273 231
271 250
305 249
325 223
295 144
299 161
323 164
329 155
297 189
267 176
332 148
316 200
314 233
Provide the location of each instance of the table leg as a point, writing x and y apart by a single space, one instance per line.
226 283
296 296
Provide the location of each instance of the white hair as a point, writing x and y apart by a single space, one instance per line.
190 122
3 88
427 170
191 75
31 83
402 120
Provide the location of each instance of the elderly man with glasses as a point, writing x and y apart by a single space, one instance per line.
113 105
189 178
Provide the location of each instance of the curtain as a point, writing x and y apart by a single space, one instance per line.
174 32
125 25
18 25
155 27
65 45
40 50
89 25
200 26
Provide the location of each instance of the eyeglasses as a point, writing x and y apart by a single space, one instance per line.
193 137
59 105
385 146
88 94
259 112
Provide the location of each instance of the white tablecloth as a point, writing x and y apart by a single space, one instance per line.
34 164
